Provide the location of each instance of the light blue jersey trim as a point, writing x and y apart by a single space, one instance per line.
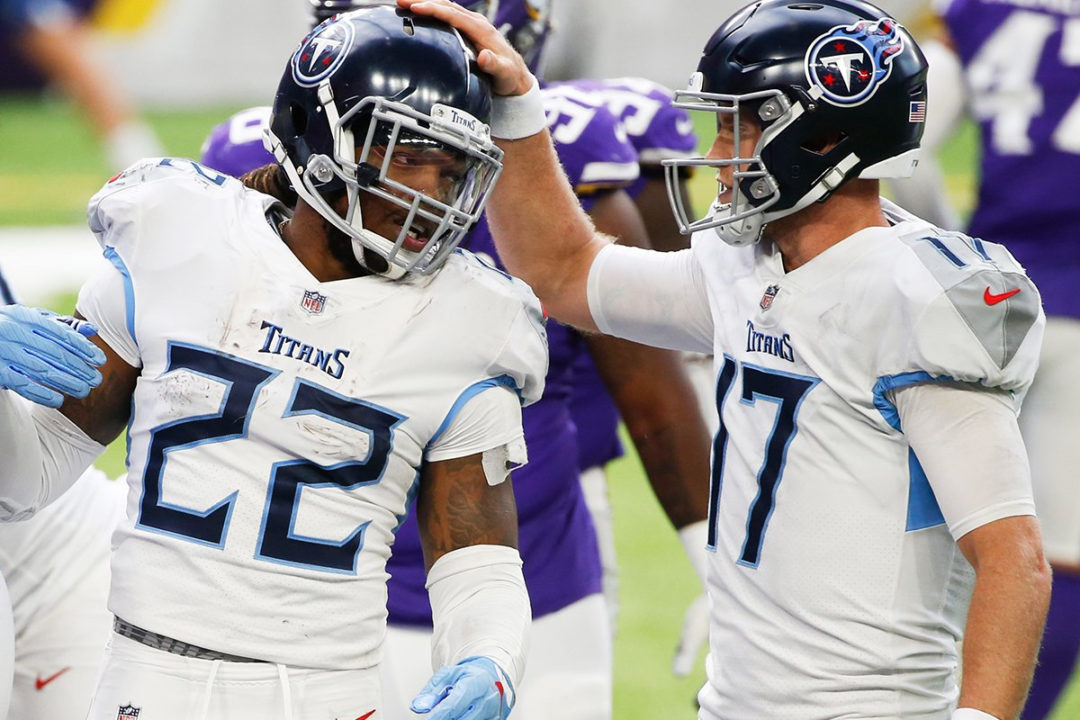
468 394
887 383
129 289
923 510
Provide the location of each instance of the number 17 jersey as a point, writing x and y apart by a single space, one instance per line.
836 587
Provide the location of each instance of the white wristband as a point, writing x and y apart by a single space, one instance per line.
518 116
694 537
971 714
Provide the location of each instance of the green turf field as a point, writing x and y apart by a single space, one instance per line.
49 167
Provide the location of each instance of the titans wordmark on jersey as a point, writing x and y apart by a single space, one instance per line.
837 587
830 555
280 423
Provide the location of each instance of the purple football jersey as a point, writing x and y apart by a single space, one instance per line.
594 150
556 535
555 532
1024 82
657 129
236 145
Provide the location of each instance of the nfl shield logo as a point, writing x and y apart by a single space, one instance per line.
127 712
769 296
313 302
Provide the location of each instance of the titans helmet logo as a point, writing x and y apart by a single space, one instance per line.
849 63
322 52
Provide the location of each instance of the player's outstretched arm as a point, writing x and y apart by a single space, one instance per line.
662 414
49 361
542 234
480 607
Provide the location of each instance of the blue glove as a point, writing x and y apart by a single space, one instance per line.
42 353
474 689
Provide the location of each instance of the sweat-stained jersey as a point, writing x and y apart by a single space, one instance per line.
836 587
1021 64
556 537
279 423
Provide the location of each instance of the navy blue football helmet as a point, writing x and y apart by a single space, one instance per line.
839 91
361 86
323 10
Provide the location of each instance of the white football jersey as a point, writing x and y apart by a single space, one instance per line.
279 423
837 589
45 557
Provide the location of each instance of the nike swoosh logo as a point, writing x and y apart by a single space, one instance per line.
40 683
991 299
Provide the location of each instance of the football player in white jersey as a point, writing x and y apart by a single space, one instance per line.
871 499
57 569
290 384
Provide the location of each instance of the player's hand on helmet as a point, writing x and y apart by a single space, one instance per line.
43 354
510 75
473 689
692 638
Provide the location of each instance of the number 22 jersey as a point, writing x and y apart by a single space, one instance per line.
279 423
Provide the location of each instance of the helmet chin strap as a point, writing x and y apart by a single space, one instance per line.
749 230
745 231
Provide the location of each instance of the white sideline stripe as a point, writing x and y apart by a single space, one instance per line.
40 262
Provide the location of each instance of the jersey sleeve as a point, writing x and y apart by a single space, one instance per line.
133 217
107 300
486 417
651 297
972 316
523 356
144 193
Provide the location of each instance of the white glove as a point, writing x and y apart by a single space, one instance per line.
695 627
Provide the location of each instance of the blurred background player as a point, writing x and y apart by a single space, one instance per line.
570 656
359 251
1015 69
57 567
657 131
52 35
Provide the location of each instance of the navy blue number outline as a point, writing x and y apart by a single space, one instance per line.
788 391
243 381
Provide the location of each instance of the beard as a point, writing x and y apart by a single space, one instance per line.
340 246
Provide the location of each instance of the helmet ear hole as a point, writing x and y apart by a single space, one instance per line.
299 118
822 142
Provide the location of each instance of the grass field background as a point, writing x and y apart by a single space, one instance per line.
50 164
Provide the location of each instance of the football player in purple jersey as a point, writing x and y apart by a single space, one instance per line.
1014 68
657 130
